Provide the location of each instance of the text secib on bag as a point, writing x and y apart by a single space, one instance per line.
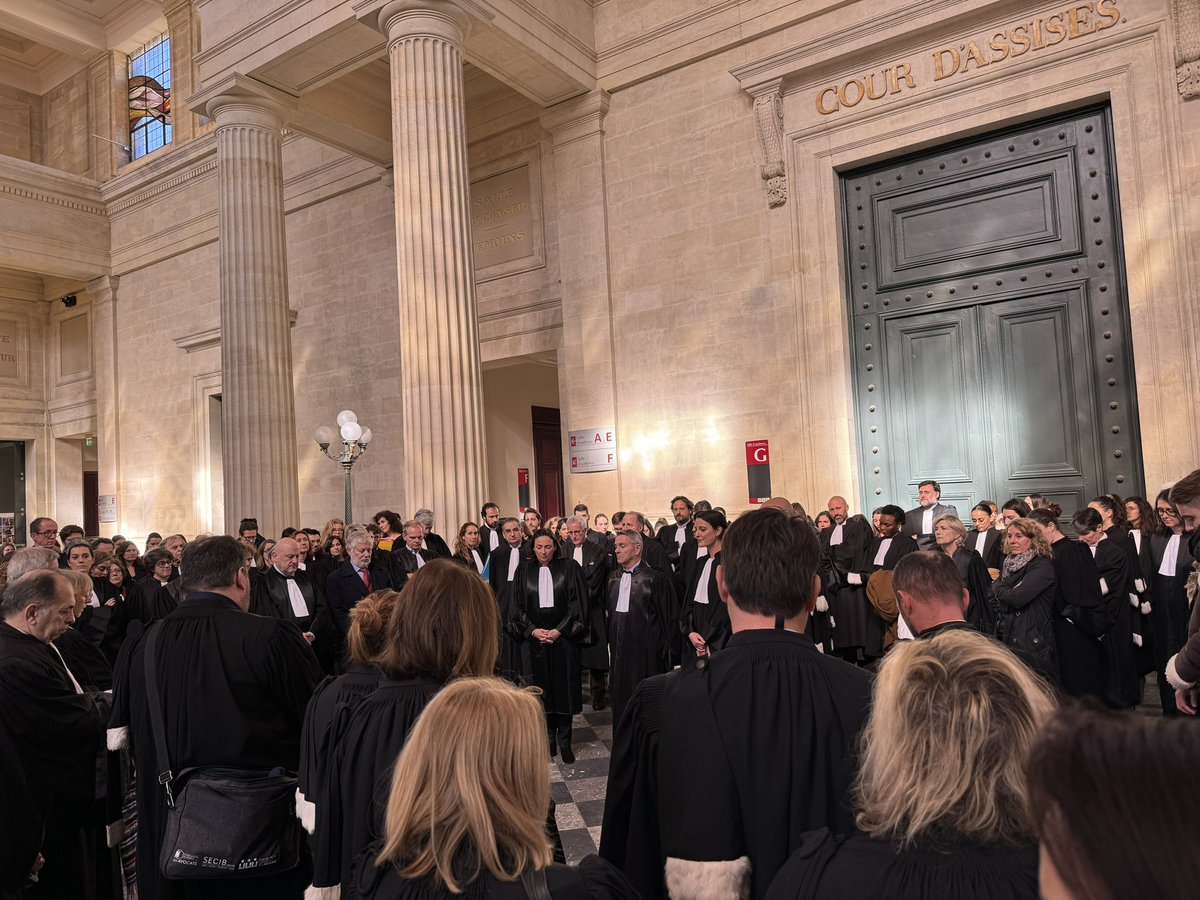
222 822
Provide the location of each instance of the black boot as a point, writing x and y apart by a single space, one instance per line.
564 744
598 679
553 747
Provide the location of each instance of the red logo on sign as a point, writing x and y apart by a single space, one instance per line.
758 453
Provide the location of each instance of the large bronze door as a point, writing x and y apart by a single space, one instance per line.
990 330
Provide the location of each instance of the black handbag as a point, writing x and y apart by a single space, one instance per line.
222 822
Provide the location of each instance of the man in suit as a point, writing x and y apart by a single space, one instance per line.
674 536
410 556
284 591
355 578
653 554
919 522
594 562
490 537
434 544
592 535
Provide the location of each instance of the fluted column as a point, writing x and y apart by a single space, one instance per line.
258 417
103 294
441 389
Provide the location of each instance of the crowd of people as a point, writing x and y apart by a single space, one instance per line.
840 705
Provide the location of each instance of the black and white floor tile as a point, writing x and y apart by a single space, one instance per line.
578 789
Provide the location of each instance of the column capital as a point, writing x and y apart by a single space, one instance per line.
103 289
577 118
242 100
450 20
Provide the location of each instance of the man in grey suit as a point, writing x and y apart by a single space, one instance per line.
919 522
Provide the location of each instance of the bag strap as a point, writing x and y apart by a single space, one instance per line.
165 776
534 881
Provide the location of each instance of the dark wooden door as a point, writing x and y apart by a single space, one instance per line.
12 492
990 328
548 460
91 504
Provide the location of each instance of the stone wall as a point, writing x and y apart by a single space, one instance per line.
20 124
67 131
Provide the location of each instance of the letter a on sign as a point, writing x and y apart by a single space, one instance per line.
758 470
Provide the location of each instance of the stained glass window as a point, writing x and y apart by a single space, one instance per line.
150 97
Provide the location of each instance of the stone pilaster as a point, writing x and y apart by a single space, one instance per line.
440 385
183 27
108 115
258 415
586 363
103 294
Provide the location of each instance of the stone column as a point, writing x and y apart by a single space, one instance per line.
108 114
258 416
586 373
440 387
103 294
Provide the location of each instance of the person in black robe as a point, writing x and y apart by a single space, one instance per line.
284 591
950 536
1171 562
1115 575
717 771
985 539
886 549
327 717
103 621
852 621
550 615
593 561
444 625
704 620
654 554
502 566
55 729
20 821
155 595
234 687
82 658
642 619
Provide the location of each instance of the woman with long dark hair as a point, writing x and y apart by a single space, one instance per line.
549 612
466 547
1171 563
705 618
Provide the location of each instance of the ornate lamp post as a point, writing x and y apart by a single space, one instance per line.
354 444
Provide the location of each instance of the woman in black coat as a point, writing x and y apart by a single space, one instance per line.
1024 595
704 619
549 612
950 535
1171 562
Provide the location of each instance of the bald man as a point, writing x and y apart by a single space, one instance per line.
284 591
844 550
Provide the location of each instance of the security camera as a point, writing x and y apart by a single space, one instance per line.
68 301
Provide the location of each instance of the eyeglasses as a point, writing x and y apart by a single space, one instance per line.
50 533
1163 511
163 563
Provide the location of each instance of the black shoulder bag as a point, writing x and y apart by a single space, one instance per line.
222 822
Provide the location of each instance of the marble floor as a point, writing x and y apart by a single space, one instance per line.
578 790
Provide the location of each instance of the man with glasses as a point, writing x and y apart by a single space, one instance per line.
44 532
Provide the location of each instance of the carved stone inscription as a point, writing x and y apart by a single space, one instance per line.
10 365
502 218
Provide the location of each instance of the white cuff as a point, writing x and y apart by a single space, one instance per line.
854 578
1140 585
1103 588
312 892
822 604
118 738
692 879
1146 608
1173 678
1137 639
1133 601
306 812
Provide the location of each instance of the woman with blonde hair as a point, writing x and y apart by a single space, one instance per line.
950 535
1024 597
941 794
467 810
444 625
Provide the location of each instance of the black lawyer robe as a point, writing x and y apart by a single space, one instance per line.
1121 688
980 611
993 542
849 610
555 667
874 626
707 616
640 638
269 597
1081 619
667 536
595 577
352 800
57 734
739 758
84 660
21 824
513 663
234 687
325 721
150 600
105 625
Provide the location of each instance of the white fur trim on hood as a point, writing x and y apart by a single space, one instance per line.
118 738
306 812
692 879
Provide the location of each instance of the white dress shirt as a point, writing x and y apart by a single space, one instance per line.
680 535
927 521
577 554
